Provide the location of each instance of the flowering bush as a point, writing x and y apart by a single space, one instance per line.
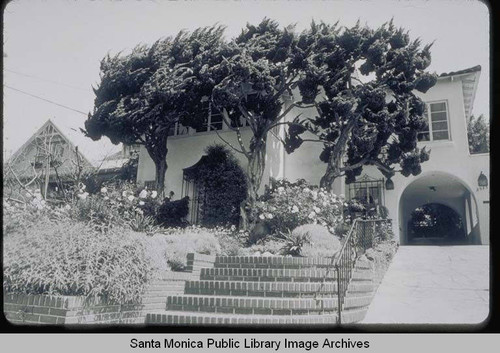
70 258
286 206
114 205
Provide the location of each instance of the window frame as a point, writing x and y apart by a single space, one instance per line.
430 130
177 127
367 184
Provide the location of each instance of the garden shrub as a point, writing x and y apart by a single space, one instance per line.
222 182
270 245
294 242
231 241
115 205
68 258
315 241
259 232
155 246
286 206
383 231
173 213
180 242
18 217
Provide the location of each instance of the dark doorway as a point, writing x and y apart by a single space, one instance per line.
434 223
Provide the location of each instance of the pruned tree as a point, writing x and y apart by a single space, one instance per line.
362 83
478 132
262 67
142 95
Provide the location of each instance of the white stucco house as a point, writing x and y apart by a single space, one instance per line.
449 178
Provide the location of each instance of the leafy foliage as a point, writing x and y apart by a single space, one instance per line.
478 130
373 119
295 242
67 258
434 219
260 68
189 240
173 213
312 240
286 206
223 185
116 205
143 94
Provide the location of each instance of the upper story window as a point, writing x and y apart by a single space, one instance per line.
213 120
239 122
177 129
438 123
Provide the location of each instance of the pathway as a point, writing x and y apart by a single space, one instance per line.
434 284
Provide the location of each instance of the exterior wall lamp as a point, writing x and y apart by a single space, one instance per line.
389 184
482 181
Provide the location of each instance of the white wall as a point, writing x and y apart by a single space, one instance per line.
451 157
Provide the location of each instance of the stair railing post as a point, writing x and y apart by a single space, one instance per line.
339 299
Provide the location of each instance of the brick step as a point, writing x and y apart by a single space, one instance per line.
155 299
261 306
198 318
154 306
270 262
164 287
271 289
280 262
277 274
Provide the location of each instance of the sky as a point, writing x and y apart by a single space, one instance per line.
53 48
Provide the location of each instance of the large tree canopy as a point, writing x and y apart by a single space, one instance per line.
372 119
262 66
143 94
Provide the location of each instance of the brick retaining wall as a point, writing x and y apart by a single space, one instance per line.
56 310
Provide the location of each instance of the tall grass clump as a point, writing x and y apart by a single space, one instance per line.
68 258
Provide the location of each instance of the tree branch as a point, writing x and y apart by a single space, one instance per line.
227 142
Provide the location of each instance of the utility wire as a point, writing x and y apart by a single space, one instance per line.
46 100
47 80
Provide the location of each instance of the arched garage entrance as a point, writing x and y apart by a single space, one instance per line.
438 209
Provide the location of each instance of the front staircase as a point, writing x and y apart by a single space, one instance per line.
266 290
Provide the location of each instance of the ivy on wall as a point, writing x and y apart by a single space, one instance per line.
222 187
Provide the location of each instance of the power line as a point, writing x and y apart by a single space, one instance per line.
46 100
47 80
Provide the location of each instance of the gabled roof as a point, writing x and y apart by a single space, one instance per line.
38 133
93 152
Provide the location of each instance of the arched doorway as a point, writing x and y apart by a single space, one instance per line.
438 208
436 223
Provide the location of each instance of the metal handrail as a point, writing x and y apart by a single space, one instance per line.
345 260
334 263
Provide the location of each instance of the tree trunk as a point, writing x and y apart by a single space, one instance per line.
160 170
157 150
254 174
333 169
